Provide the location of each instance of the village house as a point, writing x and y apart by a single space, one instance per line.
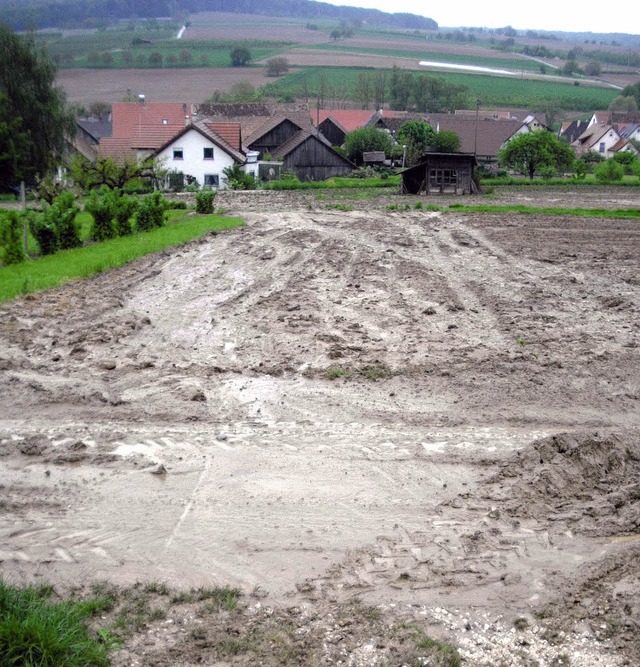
598 138
199 154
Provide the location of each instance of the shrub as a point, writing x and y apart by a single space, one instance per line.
11 238
548 171
608 172
125 208
62 215
101 206
626 159
204 201
151 212
45 233
237 179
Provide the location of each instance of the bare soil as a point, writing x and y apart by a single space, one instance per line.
196 84
377 424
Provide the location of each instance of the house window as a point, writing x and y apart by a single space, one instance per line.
165 121
178 154
212 180
601 148
208 153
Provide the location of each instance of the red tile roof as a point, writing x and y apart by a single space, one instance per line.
230 132
350 119
129 115
117 149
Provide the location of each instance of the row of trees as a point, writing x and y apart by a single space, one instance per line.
415 137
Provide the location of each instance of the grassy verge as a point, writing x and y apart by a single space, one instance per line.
39 632
65 265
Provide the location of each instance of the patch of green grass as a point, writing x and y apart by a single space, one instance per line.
36 631
445 654
521 624
336 372
340 207
338 182
55 270
621 213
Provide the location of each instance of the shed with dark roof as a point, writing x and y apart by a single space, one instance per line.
441 173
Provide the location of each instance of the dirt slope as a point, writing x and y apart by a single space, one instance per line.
327 404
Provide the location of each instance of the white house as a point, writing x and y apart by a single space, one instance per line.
201 153
598 138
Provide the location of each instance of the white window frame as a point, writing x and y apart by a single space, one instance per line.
178 153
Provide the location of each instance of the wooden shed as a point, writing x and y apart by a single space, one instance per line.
311 158
441 173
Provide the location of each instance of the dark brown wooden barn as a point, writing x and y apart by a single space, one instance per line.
272 135
441 173
311 158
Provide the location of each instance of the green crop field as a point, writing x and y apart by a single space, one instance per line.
499 62
490 90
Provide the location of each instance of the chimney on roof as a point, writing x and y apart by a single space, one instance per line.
141 98
186 120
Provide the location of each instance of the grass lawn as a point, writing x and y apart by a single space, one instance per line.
40 632
65 265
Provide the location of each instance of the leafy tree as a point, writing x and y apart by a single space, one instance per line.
366 139
527 153
593 68
624 103
155 59
240 56
446 141
417 136
277 66
105 171
633 90
608 171
400 86
34 122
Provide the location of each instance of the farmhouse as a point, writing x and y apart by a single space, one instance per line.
199 153
441 173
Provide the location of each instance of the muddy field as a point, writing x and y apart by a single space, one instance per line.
162 85
371 422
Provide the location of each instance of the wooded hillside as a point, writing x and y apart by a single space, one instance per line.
24 14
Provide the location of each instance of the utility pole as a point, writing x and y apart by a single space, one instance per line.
23 208
475 139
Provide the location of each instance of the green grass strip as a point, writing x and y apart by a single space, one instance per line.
619 213
338 182
37 632
65 265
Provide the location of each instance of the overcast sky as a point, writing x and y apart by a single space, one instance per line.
540 15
